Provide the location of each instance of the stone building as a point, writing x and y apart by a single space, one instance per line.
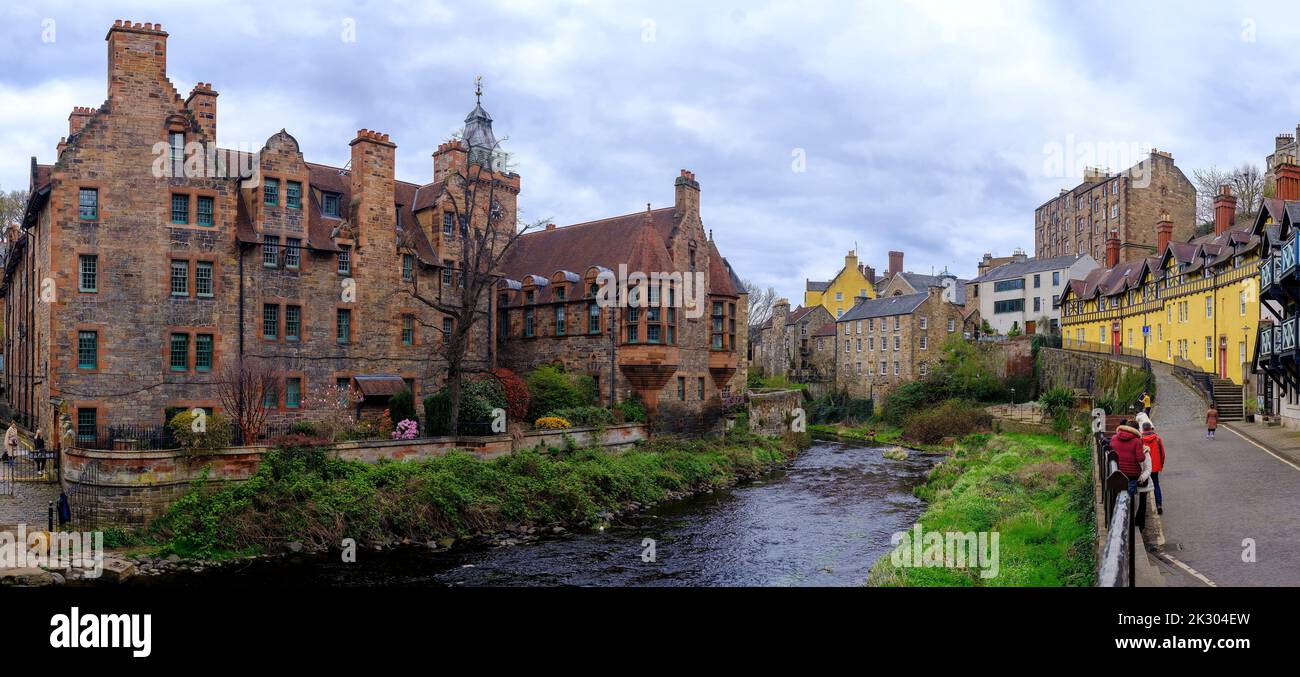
785 345
149 260
891 340
682 351
1125 205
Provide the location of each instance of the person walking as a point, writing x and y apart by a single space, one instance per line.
1134 460
1146 403
11 443
38 453
1211 421
1157 449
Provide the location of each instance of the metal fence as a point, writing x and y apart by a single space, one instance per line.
1115 567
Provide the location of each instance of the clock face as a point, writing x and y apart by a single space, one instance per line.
495 212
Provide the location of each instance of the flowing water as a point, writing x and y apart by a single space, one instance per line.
822 521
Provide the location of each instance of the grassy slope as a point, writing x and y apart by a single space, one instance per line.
300 495
1033 490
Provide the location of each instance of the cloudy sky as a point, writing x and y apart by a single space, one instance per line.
927 127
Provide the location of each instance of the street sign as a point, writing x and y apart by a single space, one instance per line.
1146 330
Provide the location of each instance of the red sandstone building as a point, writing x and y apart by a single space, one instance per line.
125 293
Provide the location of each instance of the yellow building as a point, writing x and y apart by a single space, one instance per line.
838 295
1194 305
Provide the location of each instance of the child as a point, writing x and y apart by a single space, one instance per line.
1211 421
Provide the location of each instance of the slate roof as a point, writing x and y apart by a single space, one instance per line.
640 240
827 329
818 285
1016 269
903 304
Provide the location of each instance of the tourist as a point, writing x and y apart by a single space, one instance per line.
1156 446
1134 459
38 453
11 443
1211 421
1146 403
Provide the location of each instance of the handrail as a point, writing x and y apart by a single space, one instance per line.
1116 566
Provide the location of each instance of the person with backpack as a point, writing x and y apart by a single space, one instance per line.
1157 449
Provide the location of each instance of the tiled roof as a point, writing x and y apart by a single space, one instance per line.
903 304
607 243
798 314
827 329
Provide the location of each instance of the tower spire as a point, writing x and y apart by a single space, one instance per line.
478 89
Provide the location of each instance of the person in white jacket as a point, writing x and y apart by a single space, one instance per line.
1144 486
11 443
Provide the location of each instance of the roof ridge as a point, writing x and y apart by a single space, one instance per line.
588 223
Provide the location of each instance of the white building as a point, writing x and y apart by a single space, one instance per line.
1025 294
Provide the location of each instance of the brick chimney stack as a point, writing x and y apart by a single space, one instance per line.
1288 179
373 176
895 263
1164 233
1225 209
851 261
137 59
1112 249
202 102
869 273
686 194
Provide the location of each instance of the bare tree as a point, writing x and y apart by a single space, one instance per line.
760 303
1207 181
242 388
1247 183
486 237
12 206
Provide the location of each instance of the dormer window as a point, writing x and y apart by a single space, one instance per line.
330 204
559 293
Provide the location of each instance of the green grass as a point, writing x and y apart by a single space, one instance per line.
303 495
1033 490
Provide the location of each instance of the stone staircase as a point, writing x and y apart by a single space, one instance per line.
1227 398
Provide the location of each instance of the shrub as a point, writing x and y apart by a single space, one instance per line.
840 408
407 429
215 431
951 418
478 397
587 417
401 405
552 389
632 409
303 428
907 399
515 391
437 414
1056 401
551 423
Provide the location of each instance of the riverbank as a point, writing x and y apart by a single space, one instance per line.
1033 491
300 500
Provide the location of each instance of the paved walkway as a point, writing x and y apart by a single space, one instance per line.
1218 494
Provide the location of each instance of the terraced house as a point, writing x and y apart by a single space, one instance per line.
143 268
1276 362
1193 305
884 342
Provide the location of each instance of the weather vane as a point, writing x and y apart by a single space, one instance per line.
478 89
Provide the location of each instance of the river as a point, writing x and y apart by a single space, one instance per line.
822 521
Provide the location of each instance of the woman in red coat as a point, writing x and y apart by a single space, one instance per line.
1157 448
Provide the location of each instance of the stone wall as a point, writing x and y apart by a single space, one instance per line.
133 487
1099 375
770 413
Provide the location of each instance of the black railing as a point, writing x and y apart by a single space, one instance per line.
1116 565
118 437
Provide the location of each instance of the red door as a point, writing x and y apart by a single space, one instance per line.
1116 343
